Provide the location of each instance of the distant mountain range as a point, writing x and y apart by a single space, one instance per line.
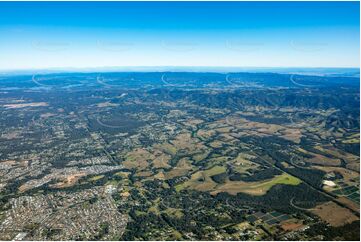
314 71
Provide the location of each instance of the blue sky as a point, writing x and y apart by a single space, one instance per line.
242 34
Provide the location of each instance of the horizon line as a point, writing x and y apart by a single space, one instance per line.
180 66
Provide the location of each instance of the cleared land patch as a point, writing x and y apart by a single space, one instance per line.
256 188
25 105
334 214
202 181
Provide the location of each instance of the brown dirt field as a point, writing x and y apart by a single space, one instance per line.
224 130
161 161
201 156
205 134
292 135
107 104
176 172
200 181
338 153
8 162
138 159
24 105
333 214
264 129
143 174
193 122
160 176
205 186
216 144
355 166
134 164
353 161
69 181
185 163
11 135
350 204
125 194
228 138
291 226
323 160
23 188
183 167
47 115
184 141
166 148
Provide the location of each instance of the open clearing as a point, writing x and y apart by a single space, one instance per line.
333 214
25 105
202 181
256 188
